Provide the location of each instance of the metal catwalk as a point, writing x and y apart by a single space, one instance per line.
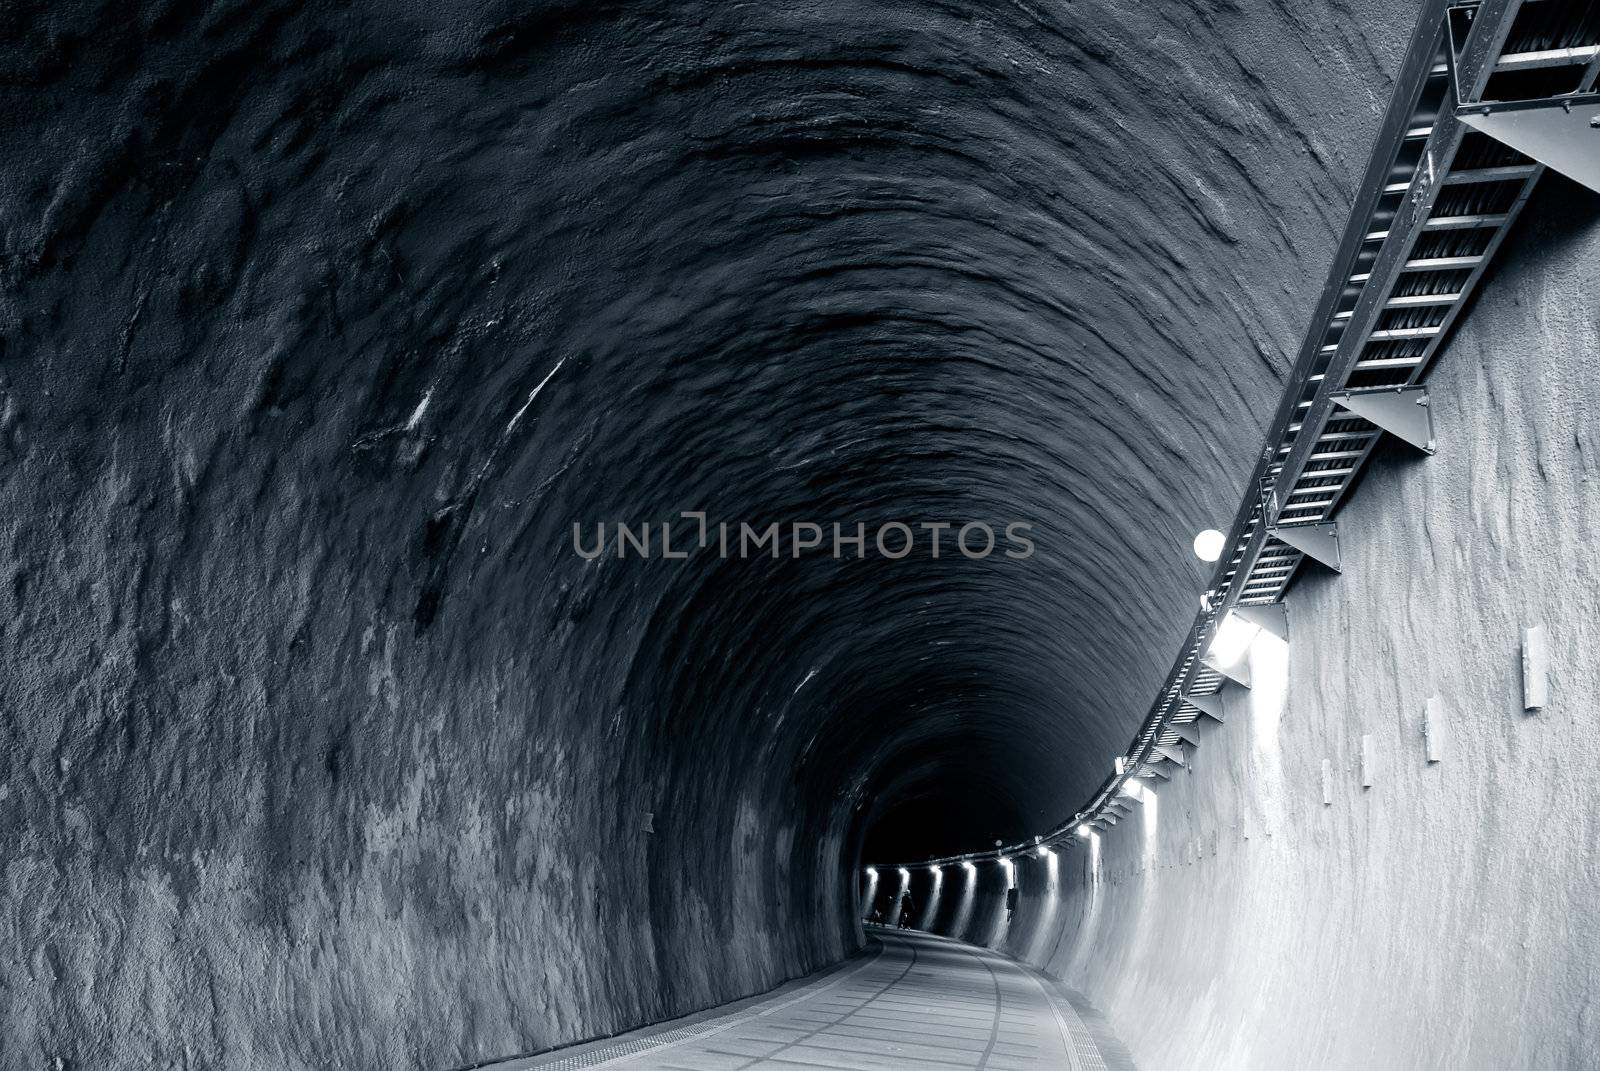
911 1000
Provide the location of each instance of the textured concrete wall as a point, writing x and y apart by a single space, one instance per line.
1442 918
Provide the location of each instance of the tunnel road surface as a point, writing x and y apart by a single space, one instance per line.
911 1000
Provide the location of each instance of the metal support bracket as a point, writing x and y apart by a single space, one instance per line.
1171 755
1563 133
1238 673
1187 733
1209 705
1319 541
1272 617
1400 411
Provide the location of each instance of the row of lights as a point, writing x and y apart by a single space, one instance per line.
1007 861
1233 638
1141 792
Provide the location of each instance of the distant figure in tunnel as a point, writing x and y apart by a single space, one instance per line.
906 907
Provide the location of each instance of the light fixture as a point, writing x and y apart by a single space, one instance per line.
872 871
905 875
1232 640
1083 830
1208 545
1043 852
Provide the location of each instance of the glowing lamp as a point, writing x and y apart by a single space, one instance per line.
1208 545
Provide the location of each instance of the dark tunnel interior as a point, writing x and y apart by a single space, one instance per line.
332 333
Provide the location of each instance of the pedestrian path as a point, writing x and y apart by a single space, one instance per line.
911 1000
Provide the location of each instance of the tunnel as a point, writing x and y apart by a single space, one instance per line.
1014 534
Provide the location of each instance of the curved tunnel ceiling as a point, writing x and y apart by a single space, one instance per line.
463 279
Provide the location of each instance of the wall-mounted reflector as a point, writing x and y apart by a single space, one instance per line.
1535 663
1433 728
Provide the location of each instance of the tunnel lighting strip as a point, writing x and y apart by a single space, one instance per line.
1409 261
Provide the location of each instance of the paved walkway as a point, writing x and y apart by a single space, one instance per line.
912 1000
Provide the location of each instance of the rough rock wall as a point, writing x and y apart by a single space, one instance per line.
1442 917
322 324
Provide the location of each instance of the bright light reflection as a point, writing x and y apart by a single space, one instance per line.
963 919
1269 672
1044 930
1232 640
930 912
1150 811
899 902
1002 921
